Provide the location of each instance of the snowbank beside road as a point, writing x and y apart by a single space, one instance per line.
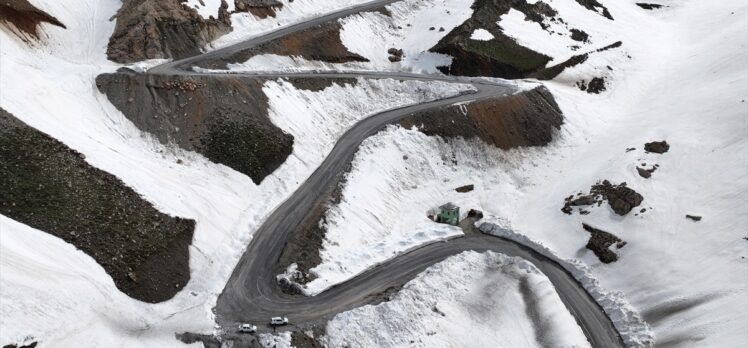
507 300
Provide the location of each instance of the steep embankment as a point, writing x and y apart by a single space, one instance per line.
50 187
223 118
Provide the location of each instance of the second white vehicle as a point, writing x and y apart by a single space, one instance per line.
278 321
247 328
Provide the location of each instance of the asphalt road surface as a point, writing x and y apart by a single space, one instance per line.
252 295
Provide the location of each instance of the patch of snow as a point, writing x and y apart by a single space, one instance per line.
481 35
507 300
281 340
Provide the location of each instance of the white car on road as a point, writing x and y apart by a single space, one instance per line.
278 321
247 328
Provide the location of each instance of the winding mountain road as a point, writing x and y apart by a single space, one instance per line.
252 295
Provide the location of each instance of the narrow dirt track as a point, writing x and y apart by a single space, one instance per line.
251 294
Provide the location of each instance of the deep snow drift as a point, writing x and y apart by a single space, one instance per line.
468 300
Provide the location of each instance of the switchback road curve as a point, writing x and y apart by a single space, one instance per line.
251 293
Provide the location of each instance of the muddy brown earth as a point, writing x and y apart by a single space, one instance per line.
52 188
528 118
23 19
223 118
501 56
321 43
600 243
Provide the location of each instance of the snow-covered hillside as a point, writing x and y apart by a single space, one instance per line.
50 86
471 299
687 279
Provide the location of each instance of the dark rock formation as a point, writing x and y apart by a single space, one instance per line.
553 71
223 118
579 35
524 119
464 189
693 217
23 19
148 29
648 6
595 86
620 198
657 147
258 8
51 187
645 173
501 56
600 243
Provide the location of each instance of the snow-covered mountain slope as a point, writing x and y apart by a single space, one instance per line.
470 299
687 279
50 86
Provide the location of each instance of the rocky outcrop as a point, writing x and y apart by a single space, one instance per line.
258 8
501 56
528 118
148 29
321 43
600 243
23 19
223 118
52 188
659 147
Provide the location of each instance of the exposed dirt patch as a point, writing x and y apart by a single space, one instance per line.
528 118
51 187
302 340
644 172
258 8
223 118
24 19
148 29
553 71
595 86
648 6
620 198
657 147
579 35
600 243
321 43
30 345
595 6
464 189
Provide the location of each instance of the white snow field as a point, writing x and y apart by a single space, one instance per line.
60 297
686 82
468 300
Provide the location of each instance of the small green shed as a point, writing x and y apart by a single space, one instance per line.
449 214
